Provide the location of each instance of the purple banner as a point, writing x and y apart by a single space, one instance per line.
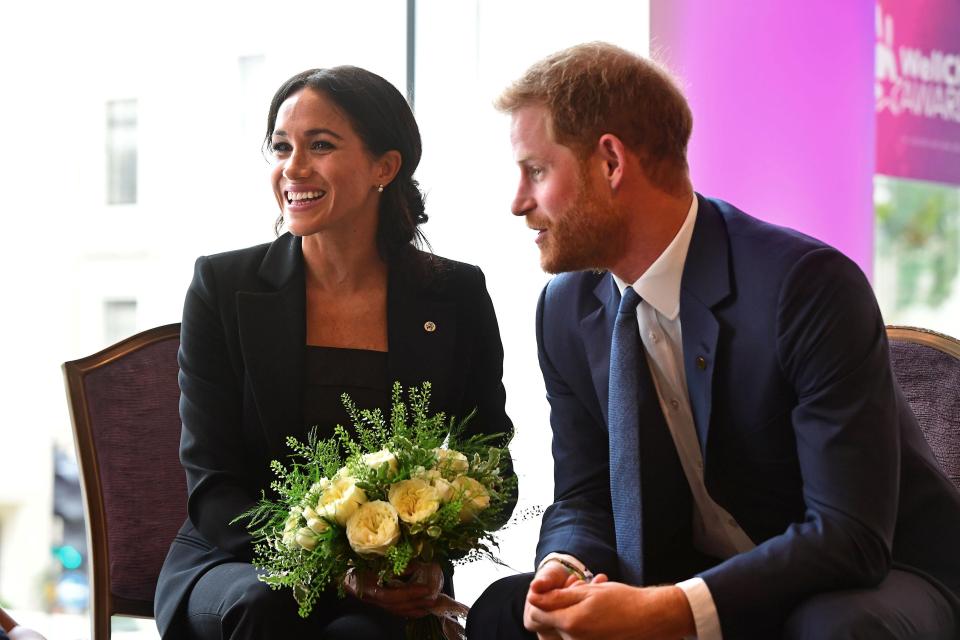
918 89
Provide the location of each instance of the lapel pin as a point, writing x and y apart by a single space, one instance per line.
701 363
429 326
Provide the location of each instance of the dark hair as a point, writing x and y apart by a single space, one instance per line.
382 118
596 88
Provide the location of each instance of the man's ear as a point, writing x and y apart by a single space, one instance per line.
613 156
387 166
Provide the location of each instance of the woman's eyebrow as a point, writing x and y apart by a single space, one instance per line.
311 132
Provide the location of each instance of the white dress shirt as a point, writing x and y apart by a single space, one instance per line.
715 532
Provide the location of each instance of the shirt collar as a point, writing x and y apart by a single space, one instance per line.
659 285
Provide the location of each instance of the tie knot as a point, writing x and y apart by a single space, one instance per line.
629 301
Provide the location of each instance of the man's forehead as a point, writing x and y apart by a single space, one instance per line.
529 126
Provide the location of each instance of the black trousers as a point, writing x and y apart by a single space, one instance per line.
903 607
230 603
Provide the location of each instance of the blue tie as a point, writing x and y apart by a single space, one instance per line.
623 419
653 526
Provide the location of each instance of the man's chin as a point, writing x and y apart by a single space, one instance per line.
555 265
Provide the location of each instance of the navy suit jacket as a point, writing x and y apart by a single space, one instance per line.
807 440
242 367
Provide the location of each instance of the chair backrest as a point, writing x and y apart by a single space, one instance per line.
126 422
927 366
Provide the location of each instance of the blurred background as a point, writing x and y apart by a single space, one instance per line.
134 134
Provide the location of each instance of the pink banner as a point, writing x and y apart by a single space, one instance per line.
918 89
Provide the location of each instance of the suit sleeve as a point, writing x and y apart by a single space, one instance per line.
485 391
831 344
211 446
579 522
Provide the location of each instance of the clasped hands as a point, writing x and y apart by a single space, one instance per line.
562 606
409 598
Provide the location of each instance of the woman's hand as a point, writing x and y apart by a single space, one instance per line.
409 597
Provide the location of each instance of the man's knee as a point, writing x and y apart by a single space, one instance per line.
498 612
904 605
826 617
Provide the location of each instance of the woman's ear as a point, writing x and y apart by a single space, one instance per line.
613 157
387 166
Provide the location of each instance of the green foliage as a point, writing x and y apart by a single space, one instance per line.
918 231
311 556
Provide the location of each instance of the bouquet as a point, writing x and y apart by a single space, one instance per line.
380 499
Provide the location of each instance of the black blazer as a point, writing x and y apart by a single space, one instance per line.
242 355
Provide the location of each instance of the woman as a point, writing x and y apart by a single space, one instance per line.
273 334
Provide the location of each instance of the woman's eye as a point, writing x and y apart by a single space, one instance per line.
279 148
321 145
536 172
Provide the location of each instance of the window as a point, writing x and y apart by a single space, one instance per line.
122 152
119 319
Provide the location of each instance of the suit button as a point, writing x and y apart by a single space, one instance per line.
701 363
429 326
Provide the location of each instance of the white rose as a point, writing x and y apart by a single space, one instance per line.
474 495
290 527
316 521
375 460
415 500
306 538
437 481
374 528
451 463
340 499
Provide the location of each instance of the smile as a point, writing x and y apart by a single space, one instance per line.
304 196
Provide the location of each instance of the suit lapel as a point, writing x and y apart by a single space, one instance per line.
597 325
272 327
422 334
706 281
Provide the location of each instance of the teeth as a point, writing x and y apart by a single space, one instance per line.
297 196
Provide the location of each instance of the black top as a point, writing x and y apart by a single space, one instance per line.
333 371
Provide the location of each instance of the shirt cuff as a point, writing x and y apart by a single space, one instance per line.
704 610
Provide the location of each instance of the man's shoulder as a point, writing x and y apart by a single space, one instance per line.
742 226
571 289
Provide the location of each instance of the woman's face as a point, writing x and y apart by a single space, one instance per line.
323 177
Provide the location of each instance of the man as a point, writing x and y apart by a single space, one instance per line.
733 457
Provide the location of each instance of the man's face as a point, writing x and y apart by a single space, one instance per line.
563 200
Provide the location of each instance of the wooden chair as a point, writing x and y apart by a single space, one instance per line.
927 366
124 403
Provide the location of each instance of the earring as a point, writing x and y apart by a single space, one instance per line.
379 188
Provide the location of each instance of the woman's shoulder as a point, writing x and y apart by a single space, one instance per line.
279 258
439 274
234 258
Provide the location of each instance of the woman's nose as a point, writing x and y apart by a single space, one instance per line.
297 166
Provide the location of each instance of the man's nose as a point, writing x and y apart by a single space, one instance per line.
523 202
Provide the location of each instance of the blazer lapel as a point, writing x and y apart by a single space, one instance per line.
422 333
706 281
272 327
597 326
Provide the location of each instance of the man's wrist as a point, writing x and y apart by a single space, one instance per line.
573 560
576 569
687 626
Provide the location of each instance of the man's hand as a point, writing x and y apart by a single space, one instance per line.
603 609
550 577
405 599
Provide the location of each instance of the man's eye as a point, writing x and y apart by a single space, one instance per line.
536 172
